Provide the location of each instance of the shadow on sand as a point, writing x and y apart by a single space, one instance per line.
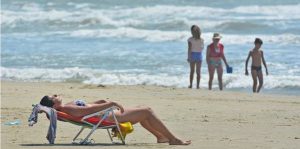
70 144
95 144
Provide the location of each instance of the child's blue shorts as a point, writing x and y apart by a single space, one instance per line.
196 57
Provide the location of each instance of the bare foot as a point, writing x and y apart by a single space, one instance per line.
179 142
163 140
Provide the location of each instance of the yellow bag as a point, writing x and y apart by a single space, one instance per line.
125 127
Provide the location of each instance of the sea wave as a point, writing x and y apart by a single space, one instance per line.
150 17
129 77
159 36
162 36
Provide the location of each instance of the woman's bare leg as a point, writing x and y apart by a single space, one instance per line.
220 76
149 120
160 138
192 67
211 71
198 71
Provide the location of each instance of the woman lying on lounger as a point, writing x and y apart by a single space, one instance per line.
144 115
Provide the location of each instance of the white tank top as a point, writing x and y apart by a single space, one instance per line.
197 44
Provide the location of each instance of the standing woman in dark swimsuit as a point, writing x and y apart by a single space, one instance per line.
214 57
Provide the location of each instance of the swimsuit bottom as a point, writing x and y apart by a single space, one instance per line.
215 63
256 68
79 102
196 57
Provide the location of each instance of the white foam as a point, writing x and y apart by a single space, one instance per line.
159 36
162 36
37 74
278 12
270 82
92 76
34 7
141 16
12 17
148 35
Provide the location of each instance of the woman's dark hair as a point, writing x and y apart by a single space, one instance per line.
193 27
258 40
197 33
46 101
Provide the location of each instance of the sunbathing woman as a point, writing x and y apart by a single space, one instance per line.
143 115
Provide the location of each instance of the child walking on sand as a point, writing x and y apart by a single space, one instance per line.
257 56
195 47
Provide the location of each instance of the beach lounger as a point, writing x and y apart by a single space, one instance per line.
96 121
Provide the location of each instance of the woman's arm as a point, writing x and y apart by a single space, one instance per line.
189 51
79 111
264 62
224 59
202 44
207 55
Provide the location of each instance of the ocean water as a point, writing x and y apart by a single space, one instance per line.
133 42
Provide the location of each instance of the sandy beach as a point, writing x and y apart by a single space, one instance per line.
211 119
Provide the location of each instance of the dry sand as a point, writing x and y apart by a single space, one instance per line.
211 119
